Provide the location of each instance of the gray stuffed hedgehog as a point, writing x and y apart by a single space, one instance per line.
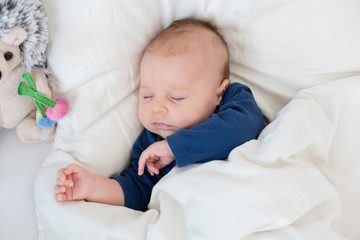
30 16
24 38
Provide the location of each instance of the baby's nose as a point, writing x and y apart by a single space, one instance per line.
159 108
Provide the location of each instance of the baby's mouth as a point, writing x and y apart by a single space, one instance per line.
161 125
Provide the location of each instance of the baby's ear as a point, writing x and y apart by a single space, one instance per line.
221 90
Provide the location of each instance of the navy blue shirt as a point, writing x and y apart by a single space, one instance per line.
235 121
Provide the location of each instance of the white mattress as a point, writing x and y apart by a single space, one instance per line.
19 164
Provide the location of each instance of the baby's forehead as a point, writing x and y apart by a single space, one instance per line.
186 38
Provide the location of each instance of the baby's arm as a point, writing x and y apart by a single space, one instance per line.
77 183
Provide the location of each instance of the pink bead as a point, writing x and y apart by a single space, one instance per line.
59 111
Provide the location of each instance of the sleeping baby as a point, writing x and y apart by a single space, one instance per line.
190 111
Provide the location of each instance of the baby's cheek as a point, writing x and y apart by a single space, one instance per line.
141 116
190 118
202 114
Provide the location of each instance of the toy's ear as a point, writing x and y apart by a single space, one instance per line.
15 37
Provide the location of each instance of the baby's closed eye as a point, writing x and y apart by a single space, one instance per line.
176 98
147 96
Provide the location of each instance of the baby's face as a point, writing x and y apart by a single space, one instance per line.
177 91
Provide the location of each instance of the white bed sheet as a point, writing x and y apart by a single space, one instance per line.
297 181
19 164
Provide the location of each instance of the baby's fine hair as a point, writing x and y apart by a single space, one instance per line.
173 39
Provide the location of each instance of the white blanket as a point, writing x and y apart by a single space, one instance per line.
297 181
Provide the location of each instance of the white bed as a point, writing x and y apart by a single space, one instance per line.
19 164
299 180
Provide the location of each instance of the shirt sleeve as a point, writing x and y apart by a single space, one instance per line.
236 120
137 189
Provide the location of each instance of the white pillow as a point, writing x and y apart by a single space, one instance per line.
276 47
280 47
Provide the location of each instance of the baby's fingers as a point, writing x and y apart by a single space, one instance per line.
62 182
61 197
61 175
152 169
60 189
70 169
73 169
141 167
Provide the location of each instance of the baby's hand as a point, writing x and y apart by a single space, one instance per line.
155 157
74 183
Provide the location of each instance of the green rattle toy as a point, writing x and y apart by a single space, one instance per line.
49 110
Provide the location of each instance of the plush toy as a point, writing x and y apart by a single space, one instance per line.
15 110
24 39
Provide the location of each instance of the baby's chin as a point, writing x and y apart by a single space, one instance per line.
163 133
